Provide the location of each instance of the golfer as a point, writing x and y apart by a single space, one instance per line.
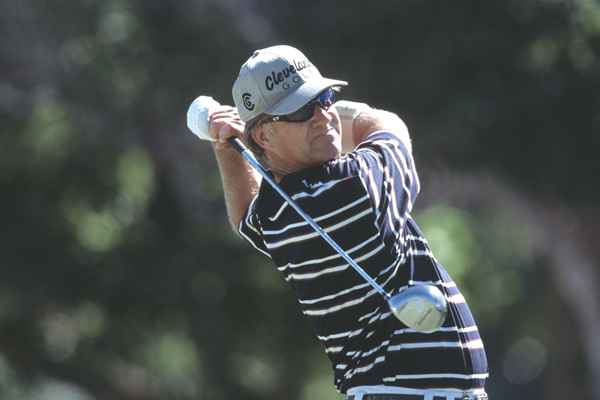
359 183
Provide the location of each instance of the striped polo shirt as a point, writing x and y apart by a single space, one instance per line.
363 199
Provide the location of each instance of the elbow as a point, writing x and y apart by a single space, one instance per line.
375 120
401 131
234 224
234 228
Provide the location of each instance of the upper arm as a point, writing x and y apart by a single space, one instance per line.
249 227
389 175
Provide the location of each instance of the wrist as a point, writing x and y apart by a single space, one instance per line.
223 147
348 111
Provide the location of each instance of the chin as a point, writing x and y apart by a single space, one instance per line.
328 147
330 153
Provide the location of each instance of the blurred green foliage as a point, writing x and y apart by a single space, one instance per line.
121 278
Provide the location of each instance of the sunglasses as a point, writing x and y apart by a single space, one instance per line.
324 100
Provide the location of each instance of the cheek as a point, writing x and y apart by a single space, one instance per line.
336 122
294 142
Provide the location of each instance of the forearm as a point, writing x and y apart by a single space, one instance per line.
240 183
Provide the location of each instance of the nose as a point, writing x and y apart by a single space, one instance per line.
321 115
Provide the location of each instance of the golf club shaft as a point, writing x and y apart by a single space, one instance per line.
248 156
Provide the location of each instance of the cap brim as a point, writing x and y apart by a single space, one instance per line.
302 95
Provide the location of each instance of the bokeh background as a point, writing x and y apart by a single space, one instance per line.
120 278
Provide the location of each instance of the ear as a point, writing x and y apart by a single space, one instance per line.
262 136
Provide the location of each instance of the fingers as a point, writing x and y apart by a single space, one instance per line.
224 112
223 123
228 130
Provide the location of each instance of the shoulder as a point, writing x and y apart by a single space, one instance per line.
385 143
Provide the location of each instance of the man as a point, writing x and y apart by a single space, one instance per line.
363 199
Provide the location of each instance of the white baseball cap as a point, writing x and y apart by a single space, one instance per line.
277 80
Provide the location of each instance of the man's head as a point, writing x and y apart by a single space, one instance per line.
284 101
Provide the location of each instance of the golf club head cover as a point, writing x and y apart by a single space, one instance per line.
197 116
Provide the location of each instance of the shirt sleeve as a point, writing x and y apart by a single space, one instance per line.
387 170
250 228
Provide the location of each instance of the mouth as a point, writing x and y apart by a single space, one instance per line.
330 131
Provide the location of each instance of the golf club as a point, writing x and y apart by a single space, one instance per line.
422 307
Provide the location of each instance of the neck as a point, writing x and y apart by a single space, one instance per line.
279 173
281 168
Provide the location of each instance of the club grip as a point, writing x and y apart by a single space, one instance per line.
237 144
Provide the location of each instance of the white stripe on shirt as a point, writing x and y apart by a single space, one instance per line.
438 376
334 295
334 269
300 195
366 368
473 344
349 303
466 329
340 335
317 219
248 221
456 299
328 258
315 234
252 243
361 286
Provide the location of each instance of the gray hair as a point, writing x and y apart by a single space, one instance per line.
249 141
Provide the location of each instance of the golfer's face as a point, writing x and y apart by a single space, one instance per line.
308 143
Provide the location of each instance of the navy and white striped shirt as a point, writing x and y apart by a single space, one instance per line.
363 200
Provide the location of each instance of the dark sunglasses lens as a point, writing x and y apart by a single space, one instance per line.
303 114
325 99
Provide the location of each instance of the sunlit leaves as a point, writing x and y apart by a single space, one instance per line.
50 136
485 254
173 359
449 233
101 229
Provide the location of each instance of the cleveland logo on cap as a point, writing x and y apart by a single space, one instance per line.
247 102
276 78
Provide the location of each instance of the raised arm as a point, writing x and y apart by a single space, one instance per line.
373 120
240 181
359 121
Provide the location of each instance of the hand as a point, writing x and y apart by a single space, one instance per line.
223 123
348 111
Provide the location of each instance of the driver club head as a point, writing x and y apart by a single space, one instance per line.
421 307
